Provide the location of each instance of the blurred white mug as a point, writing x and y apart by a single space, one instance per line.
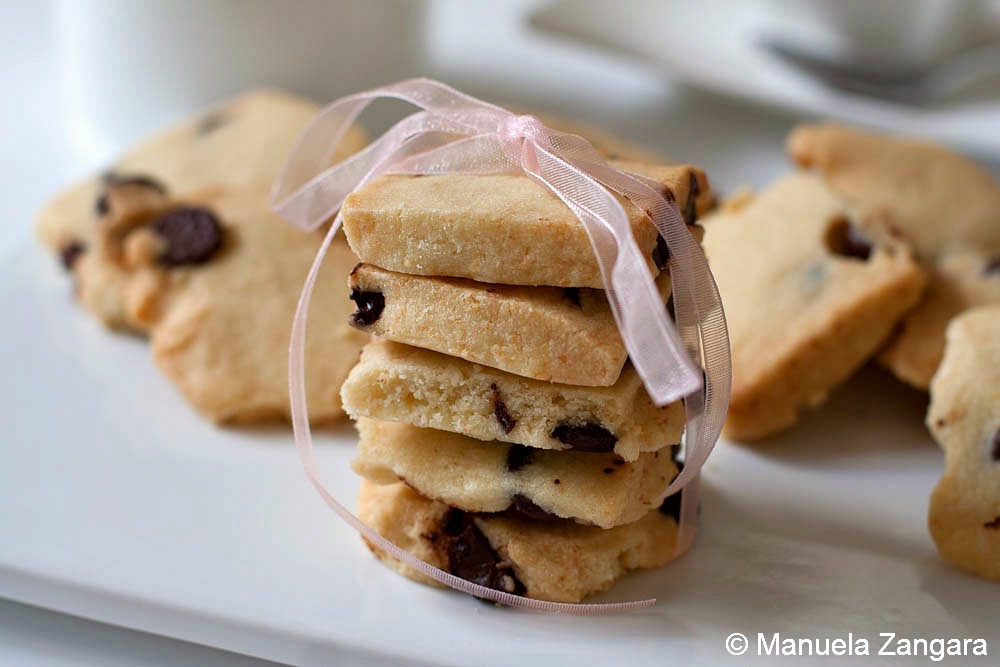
889 33
129 66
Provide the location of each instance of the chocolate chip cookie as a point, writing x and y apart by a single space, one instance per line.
547 333
808 298
498 228
396 382
558 560
964 417
240 144
946 207
597 489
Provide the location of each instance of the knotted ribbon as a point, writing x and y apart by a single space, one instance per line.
456 133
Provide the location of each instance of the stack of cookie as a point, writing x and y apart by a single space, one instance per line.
503 435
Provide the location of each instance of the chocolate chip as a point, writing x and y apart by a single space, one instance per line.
992 267
523 508
691 207
519 456
572 294
210 123
101 206
588 437
994 524
846 240
507 423
608 471
471 556
996 446
671 506
370 306
192 234
555 481
661 253
70 253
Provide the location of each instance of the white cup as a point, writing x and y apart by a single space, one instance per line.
129 66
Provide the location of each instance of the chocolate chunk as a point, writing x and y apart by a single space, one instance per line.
996 446
691 207
661 253
608 471
210 123
192 234
70 253
572 294
994 524
519 456
846 240
522 508
507 423
992 267
370 306
671 506
588 437
471 556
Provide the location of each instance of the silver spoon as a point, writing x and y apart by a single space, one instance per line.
917 85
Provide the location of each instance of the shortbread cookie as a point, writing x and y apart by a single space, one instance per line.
242 143
498 228
547 333
956 281
476 476
396 382
808 298
944 206
559 561
216 280
964 417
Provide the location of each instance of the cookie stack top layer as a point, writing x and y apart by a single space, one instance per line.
498 228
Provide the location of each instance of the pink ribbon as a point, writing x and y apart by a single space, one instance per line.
456 133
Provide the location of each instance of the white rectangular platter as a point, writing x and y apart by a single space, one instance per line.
118 503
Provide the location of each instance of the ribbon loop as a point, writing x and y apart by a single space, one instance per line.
456 133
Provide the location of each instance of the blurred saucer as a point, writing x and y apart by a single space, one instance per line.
715 45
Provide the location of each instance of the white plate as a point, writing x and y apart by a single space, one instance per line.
119 504
712 44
